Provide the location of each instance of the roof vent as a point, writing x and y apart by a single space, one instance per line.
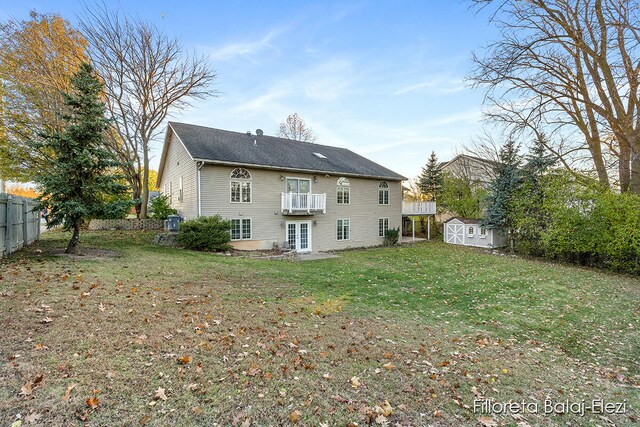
249 132
259 132
320 156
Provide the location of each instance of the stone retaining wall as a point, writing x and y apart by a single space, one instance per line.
126 224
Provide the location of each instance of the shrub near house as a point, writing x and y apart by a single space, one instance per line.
207 233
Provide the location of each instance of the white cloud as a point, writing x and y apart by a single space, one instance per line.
246 49
436 84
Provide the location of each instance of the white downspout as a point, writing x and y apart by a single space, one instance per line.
199 198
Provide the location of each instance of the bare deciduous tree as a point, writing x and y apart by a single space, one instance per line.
147 76
570 69
294 127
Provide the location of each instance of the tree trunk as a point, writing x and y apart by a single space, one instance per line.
623 166
72 247
145 187
635 170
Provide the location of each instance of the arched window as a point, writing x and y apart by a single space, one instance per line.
383 193
343 191
240 173
240 186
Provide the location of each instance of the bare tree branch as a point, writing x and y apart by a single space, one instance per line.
148 76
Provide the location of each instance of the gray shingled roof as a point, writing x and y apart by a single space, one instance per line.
223 146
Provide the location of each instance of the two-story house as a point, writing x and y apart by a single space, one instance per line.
279 192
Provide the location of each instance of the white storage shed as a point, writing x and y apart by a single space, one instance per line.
468 232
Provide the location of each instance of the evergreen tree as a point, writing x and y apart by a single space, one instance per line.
530 217
79 181
501 201
431 179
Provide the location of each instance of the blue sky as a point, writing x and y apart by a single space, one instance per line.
384 79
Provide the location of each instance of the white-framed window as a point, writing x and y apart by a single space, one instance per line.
383 193
343 192
240 229
180 190
240 185
383 226
298 185
483 233
343 229
471 231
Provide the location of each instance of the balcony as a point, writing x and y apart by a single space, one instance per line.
418 208
303 203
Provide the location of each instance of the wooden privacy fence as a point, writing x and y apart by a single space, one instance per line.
19 223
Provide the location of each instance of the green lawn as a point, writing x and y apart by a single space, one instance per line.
427 328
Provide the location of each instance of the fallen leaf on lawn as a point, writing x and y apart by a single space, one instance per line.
93 402
385 409
327 376
101 307
46 320
253 371
437 413
40 346
390 366
197 410
355 382
67 394
387 355
32 418
184 360
294 417
246 422
193 387
26 389
16 423
160 394
144 420
382 420
487 422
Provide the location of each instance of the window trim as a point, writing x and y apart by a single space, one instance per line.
383 229
241 219
383 192
298 179
483 233
349 229
240 182
342 190
471 230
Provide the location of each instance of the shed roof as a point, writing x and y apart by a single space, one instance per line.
465 220
235 148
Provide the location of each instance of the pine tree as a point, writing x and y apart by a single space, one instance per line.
80 178
503 190
530 217
431 179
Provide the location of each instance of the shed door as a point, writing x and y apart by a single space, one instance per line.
455 234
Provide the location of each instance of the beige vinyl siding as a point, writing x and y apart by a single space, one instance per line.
268 222
178 164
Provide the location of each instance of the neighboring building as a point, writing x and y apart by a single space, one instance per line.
471 169
468 232
279 192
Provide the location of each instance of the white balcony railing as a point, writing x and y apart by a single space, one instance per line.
300 203
418 208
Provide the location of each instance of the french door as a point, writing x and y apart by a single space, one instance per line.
298 235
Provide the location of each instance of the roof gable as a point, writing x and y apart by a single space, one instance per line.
226 147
